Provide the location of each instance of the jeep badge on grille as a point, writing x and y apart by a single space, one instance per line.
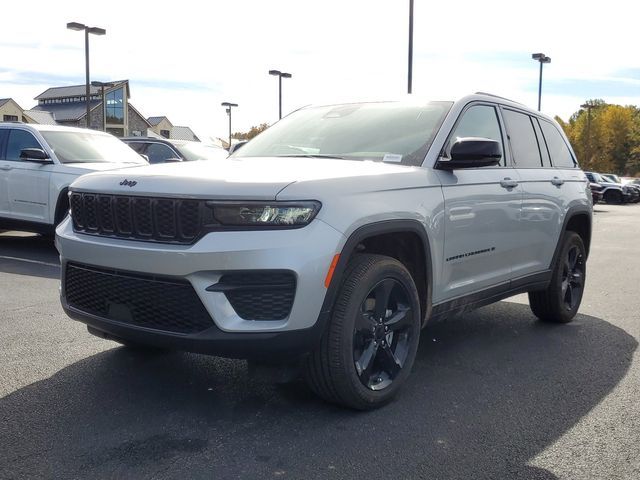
128 183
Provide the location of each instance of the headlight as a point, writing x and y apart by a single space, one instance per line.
264 214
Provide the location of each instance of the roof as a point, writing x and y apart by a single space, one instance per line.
4 101
183 133
153 121
50 128
138 113
78 90
67 111
41 117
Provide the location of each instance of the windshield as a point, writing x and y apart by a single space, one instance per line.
597 178
86 147
202 151
391 132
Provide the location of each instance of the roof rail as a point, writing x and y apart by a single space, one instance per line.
498 96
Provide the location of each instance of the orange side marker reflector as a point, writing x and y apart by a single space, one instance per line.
332 268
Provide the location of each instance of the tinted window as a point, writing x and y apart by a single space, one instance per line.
19 139
158 153
137 146
478 121
524 145
546 161
560 153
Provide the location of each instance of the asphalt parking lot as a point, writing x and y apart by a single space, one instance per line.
494 394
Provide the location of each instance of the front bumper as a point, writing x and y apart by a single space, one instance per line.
307 252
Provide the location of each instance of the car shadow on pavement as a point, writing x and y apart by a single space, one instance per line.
490 390
26 254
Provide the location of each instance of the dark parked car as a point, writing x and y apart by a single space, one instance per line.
159 150
612 192
633 189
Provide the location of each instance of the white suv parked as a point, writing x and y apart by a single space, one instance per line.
333 237
37 164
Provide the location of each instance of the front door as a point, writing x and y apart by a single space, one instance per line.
27 182
482 209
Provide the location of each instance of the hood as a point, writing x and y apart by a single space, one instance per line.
81 168
255 178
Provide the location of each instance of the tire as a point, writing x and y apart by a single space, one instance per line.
362 361
613 197
560 302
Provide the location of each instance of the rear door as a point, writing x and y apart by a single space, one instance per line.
544 195
28 182
482 212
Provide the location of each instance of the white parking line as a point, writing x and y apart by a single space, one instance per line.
30 261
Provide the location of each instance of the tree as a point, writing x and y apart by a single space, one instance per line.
253 131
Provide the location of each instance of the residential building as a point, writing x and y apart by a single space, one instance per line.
10 111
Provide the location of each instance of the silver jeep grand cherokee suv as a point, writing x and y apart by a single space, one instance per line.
333 237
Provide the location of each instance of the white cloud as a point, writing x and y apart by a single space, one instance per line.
337 50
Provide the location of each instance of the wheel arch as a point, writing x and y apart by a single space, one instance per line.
62 206
578 219
399 239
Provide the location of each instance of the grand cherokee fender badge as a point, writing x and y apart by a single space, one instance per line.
128 183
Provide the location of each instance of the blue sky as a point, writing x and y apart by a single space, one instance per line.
184 59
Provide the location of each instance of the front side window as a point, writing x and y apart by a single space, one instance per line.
560 153
524 145
19 139
387 131
115 106
477 121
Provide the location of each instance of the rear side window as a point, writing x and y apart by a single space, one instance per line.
546 162
524 145
558 149
18 140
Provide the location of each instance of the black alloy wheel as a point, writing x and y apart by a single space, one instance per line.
573 270
560 301
382 334
372 336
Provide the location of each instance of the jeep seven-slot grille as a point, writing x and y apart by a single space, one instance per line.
168 220
153 302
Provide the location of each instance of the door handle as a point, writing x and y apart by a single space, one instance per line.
557 181
6 168
508 183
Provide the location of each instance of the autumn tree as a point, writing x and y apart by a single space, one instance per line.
253 131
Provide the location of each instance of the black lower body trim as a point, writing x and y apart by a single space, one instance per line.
26 226
287 345
465 303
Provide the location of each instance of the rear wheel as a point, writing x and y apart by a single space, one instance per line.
559 303
372 338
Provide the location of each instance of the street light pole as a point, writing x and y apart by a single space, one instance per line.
542 58
229 106
588 106
87 30
410 65
280 76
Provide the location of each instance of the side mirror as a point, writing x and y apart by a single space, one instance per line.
472 152
35 155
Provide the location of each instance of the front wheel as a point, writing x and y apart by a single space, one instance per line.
372 338
614 197
559 303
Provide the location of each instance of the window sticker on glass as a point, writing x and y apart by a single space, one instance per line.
392 157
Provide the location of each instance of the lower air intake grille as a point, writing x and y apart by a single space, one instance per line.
259 295
161 304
